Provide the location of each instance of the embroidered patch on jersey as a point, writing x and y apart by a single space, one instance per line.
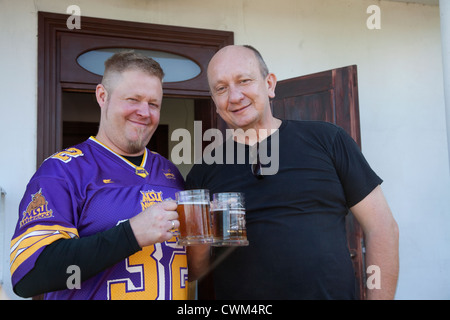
169 174
141 172
36 209
68 154
149 198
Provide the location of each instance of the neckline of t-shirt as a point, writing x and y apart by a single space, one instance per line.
269 138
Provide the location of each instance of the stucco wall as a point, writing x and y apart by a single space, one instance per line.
400 90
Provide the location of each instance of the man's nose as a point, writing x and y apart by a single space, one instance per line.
235 94
143 109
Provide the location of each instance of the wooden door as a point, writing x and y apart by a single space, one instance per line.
329 96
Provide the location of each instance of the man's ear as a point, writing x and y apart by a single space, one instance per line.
271 82
101 94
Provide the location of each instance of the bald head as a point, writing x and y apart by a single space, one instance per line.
241 87
230 53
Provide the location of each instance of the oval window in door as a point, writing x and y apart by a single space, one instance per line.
176 68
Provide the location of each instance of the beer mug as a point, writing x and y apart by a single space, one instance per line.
194 216
228 219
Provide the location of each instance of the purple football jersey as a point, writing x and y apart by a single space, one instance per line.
87 189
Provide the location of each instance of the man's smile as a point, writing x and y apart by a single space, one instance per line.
139 123
240 109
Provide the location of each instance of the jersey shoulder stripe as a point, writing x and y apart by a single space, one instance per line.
35 238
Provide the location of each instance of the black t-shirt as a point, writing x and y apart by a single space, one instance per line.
295 218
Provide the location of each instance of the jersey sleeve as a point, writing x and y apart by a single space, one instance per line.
357 177
46 214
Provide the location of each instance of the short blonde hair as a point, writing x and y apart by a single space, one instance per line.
126 60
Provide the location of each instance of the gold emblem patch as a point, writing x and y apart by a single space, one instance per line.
149 198
169 174
141 172
36 209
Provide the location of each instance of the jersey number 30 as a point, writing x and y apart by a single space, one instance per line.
153 275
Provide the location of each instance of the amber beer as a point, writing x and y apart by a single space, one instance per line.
229 225
193 219
194 216
228 214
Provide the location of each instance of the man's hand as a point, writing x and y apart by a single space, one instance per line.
154 224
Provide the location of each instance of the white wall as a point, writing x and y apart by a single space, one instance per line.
400 89
444 10
18 87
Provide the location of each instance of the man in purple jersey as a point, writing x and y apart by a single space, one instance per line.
94 222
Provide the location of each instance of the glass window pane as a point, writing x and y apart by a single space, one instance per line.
176 68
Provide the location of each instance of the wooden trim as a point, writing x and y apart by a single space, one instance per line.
347 102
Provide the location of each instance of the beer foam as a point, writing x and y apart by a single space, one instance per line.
193 203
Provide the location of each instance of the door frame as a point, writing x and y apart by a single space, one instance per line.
58 71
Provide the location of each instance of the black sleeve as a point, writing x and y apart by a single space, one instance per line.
91 254
357 177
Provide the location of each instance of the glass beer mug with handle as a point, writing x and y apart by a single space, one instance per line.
194 216
228 219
